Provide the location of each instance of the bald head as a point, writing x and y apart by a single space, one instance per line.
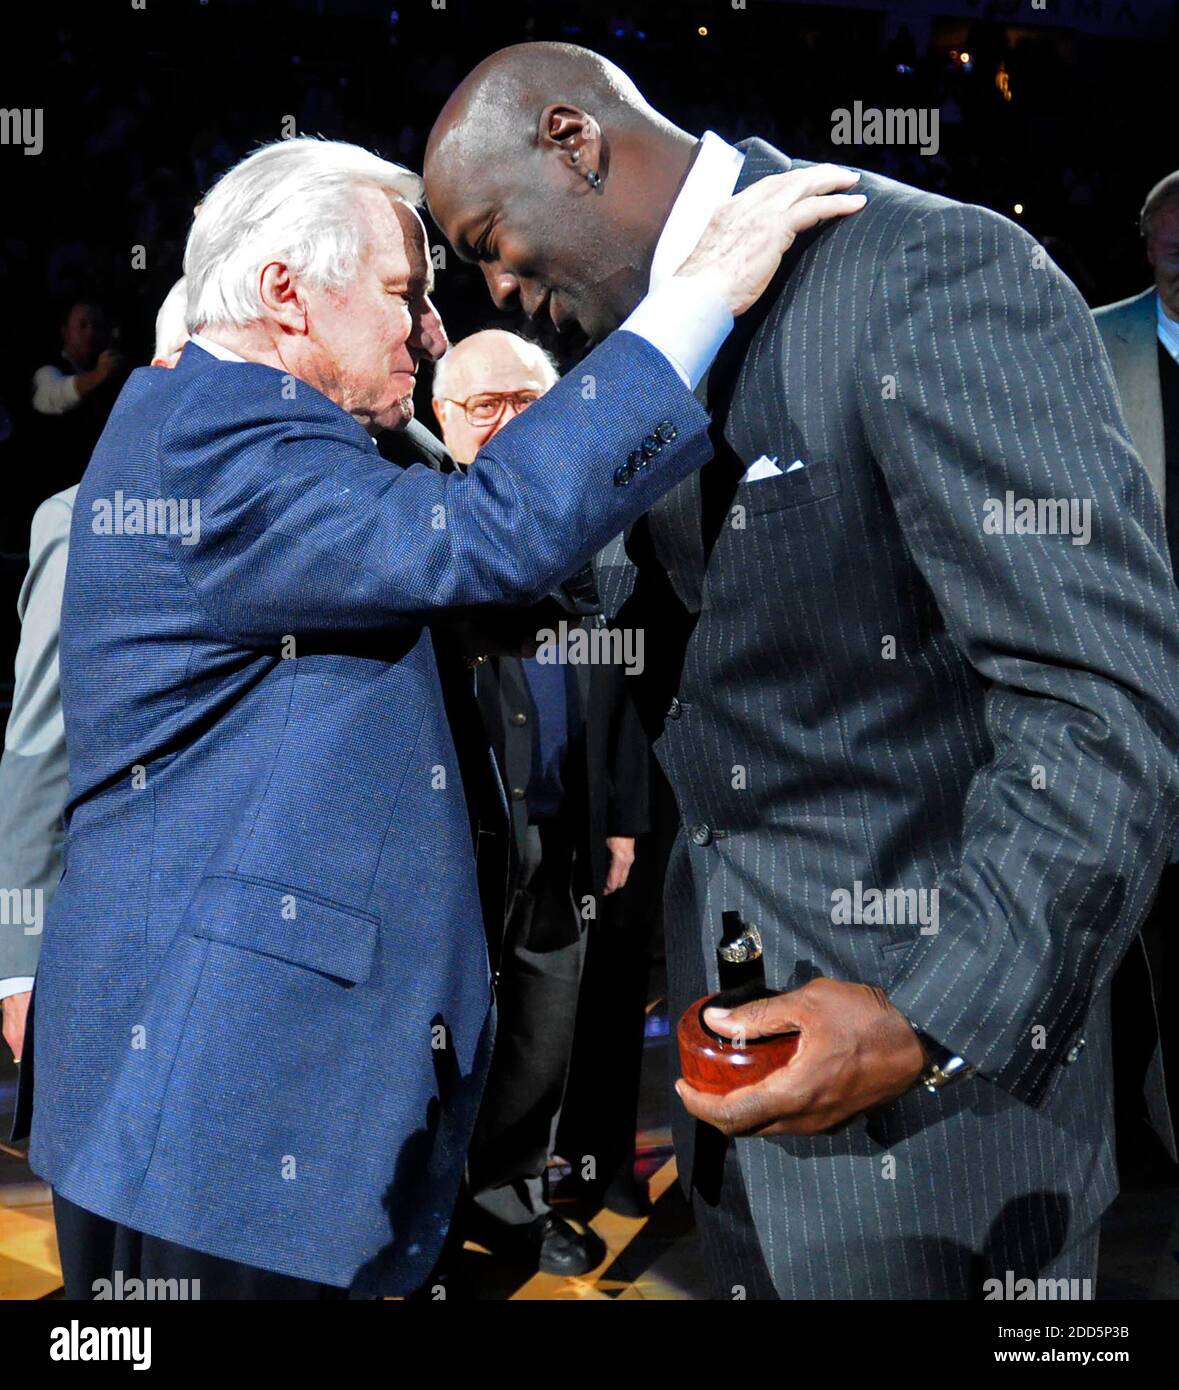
549 168
495 109
483 382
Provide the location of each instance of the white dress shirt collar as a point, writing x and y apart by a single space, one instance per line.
215 349
1168 330
710 180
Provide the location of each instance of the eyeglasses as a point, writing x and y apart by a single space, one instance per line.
488 407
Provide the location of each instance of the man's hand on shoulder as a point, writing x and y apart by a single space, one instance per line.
743 244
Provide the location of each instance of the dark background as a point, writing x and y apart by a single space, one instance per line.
144 108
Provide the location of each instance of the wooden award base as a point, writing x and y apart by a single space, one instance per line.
712 1063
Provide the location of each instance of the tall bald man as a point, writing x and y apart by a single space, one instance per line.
929 753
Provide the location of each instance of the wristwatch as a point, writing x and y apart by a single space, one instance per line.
945 1067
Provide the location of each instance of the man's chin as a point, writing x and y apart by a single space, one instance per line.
599 327
396 417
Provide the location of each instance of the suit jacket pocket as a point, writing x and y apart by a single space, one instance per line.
274 920
819 479
893 952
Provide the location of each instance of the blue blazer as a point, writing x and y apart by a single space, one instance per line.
264 1008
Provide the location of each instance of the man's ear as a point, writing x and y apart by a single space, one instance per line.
437 404
574 134
281 296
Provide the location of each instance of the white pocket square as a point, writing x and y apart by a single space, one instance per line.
762 468
768 468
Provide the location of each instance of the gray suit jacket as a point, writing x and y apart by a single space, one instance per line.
881 690
1129 330
33 772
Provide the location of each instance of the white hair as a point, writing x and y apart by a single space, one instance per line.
171 333
290 200
443 365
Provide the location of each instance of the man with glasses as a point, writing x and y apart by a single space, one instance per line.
573 758
482 383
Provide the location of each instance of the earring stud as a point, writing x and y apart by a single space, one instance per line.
594 179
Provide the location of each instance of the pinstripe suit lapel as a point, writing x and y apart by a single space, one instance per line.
683 524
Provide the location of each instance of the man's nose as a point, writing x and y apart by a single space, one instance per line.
431 335
502 286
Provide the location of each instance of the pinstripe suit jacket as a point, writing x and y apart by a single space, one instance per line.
879 690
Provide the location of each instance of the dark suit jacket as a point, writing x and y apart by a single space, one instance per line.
606 764
475 649
878 690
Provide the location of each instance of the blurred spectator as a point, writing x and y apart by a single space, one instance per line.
1141 335
171 333
72 398
34 781
85 363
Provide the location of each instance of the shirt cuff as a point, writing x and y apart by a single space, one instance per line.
687 322
15 984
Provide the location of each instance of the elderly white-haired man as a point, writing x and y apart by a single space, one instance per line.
264 1009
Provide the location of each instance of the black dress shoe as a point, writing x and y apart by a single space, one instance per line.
550 1243
563 1249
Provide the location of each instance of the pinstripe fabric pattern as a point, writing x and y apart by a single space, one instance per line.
269 910
1015 752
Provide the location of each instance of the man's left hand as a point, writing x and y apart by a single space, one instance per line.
622 856
855 1052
